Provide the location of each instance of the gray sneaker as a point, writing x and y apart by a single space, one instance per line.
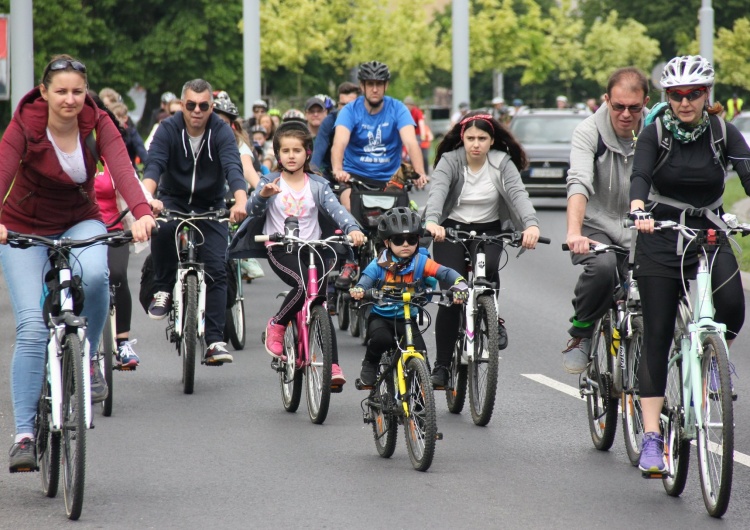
99 390
576 355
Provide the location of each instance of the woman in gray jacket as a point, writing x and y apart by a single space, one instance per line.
476 184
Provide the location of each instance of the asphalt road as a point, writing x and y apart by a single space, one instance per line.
229 456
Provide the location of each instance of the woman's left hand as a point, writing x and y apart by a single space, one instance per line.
530 237
141 228
357 238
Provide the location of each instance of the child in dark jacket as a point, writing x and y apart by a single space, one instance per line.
400 263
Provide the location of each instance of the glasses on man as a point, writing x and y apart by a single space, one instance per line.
691 94
64 64
399 239
633 109
203 105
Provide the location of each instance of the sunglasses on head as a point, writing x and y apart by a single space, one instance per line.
64 64
399 239
203 105
633 109
691 95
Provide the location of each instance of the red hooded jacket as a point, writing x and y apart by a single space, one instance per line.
38 196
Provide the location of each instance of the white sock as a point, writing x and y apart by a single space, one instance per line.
23 435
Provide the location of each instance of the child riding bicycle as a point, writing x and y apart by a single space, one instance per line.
399 265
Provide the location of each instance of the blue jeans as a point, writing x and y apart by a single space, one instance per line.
24 271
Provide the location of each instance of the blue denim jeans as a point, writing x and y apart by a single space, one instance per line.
24 271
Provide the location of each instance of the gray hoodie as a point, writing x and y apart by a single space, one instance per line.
447 181
604 181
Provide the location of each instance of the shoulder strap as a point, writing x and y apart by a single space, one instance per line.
601 147
664 138
419 266
719 145
90 142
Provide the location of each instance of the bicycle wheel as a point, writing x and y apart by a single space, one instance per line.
362 321
318 372
601 405
632 416
483 369
73 426
716 435
420 426
354 323
107 352
342 310
676 449
290 378
235 324
189 339
47 443
382 403
455 394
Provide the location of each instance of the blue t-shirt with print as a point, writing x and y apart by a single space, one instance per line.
374 149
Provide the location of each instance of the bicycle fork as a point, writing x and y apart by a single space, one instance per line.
55 354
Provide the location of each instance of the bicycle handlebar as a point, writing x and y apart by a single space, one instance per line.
513 239
383 297
733 227
221 215
18 240
278 237
600 248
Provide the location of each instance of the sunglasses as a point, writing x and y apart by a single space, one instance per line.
691 95
633 109
400 239
64 64
203 105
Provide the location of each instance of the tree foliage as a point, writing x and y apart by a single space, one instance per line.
732 51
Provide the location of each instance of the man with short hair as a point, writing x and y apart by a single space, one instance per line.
562 102
321 158
315 113
162 111
598 184
192 158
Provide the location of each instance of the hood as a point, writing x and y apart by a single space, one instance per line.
31 115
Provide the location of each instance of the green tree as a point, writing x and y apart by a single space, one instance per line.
731 53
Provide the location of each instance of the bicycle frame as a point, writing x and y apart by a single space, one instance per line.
312 298
188 266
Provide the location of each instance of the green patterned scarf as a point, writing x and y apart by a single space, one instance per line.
682 132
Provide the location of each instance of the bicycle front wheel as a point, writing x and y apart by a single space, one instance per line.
235 324
290 378
420 426
73 426
107 352
47 443
676 446
632 416
318 371
483 369
342 310
382 403
455 394
601 405
189 339
716 435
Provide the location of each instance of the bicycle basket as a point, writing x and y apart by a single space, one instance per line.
368 206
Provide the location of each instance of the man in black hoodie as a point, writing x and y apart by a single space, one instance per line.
192 157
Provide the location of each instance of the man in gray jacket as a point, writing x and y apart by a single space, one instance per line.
598 183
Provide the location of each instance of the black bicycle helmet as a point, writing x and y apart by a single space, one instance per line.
225 106
399 220
373 71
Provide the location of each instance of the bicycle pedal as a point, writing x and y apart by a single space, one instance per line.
438 387
337 389
652 475
219 363
30 469
360 386
439 436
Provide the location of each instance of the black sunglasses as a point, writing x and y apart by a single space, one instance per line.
691 95
619 107
64 64
399 239
203 105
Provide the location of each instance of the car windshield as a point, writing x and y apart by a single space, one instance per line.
742 123
545 129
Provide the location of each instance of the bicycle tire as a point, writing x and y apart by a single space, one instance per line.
455 393
107 352
342 311
632 415
318 371
482 373
362 322
47 443
600 403
290 378
73 426
189 339
382 404
717 429
235 324
676 448
354 324
420 426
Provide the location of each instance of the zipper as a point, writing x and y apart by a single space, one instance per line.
83 192
23 199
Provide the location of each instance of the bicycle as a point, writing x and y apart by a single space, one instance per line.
64 411
693 410
234 329
475 357
186 321
402 393
616 346
309 337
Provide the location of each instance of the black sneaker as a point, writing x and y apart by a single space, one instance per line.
217 353
439 376
502 334
369 373
99 390
348 274
160 306
23 456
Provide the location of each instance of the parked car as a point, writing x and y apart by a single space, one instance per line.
546 136
742 122
438 120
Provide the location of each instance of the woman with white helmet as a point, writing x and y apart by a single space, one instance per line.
666 184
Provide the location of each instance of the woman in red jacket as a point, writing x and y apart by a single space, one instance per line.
47 184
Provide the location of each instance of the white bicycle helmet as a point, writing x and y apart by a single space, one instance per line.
687 70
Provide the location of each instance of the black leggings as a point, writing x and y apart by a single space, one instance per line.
381 333
659 298
118 276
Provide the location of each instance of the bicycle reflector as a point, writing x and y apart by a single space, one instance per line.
711 237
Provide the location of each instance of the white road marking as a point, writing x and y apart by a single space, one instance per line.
740 458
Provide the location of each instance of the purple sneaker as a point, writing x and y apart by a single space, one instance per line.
652 455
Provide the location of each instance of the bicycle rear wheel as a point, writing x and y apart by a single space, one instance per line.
382 403
354 324
189 339
342 310
47 443
235 324
716 435
318 372
455 393
676 448
290 378
420 426
483 369
601 405
632 416
107 352
73 426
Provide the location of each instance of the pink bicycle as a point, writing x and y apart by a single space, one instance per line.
309 337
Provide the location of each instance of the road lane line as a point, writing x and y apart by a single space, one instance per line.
740 458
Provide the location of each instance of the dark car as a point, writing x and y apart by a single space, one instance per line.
546 135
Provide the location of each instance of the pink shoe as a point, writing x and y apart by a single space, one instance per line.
337 376
275 339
